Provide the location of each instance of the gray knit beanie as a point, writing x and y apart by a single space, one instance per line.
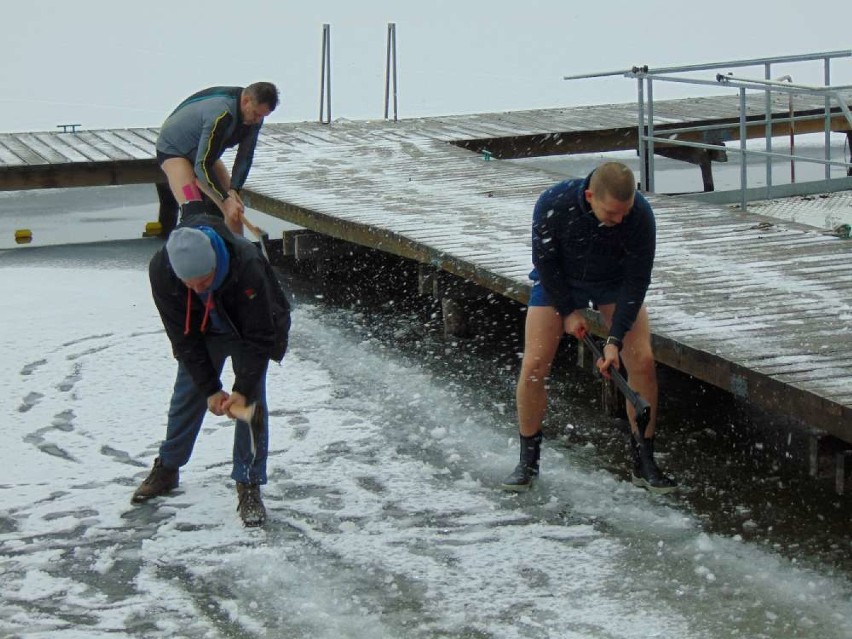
190 253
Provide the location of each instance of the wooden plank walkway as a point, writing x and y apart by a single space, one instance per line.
765 313
126 156
598 128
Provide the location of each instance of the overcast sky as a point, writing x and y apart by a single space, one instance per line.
104 63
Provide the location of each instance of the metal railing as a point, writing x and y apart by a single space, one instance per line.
645 98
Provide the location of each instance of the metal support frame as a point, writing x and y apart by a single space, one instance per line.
827 83
645 108
650 98
743 140
767 75
744 84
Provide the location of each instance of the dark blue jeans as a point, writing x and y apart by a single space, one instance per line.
186 413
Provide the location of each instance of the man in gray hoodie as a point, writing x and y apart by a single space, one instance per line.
197 133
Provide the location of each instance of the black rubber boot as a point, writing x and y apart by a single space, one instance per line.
646 474
192 208
169 208
526 471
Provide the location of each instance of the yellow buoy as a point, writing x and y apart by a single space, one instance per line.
153 229
23 236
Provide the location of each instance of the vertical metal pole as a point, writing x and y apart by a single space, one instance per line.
328 72
640 100
767 74
650 150
743 135
395 92
391 70
322 75
387 72
325 76
792 139
827 66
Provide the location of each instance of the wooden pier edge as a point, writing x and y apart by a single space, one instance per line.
750 385
53 176
387 242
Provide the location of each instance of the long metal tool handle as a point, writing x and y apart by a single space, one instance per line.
640 405
261 235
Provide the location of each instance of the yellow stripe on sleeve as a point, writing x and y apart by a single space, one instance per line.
210 182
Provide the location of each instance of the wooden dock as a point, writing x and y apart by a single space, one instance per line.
755 306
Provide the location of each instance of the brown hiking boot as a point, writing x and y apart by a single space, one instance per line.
250 506
160 481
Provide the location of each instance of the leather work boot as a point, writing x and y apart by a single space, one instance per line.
646 474
250 506
526 471
160 481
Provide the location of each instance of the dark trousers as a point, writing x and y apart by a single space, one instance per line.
186 413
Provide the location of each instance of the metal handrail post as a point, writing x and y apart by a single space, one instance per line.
827 66
792 136
643 177
325 75
395 86
841 102
743 156
322 77
391 71
387 72
650 151
328 74
767 73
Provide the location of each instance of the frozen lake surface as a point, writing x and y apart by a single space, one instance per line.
385 520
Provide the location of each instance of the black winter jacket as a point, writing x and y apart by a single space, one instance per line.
250 300
569 244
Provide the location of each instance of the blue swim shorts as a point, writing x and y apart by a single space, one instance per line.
595 293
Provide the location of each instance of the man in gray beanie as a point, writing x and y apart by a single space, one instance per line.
190 253
217 297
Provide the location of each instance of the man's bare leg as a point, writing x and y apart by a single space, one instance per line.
543 333
638 358
179 173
